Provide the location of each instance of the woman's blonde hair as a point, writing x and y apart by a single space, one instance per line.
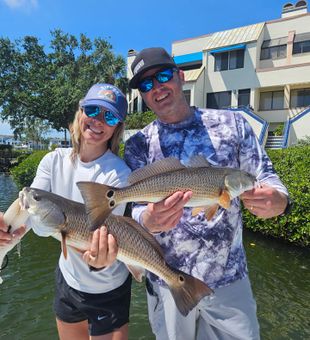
76 133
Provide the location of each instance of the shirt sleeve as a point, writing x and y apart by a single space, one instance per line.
42 179
254 159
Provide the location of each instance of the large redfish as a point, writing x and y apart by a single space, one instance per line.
67 221
211 186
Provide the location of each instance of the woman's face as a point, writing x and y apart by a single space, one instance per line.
95 131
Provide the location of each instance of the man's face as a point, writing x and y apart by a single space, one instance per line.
164 98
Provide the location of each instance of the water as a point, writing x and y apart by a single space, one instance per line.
279 275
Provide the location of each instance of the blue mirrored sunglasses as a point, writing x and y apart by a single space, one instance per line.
108 116
162 77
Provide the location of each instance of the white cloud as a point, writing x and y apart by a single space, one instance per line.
27 4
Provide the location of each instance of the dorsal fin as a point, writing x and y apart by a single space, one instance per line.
197 161
164 165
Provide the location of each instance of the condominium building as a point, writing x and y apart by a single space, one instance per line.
261 70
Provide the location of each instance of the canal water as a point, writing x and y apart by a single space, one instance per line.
280 276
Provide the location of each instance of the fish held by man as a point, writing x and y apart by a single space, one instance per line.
67 221
211 186
14 217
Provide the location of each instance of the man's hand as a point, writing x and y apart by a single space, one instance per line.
165 215
103 249
264 202
5 236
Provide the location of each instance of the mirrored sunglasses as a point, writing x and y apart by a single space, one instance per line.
108 116
162 77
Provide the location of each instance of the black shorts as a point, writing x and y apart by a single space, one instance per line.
105 312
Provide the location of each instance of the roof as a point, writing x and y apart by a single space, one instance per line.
192 75
234 36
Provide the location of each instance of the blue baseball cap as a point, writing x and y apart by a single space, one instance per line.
109 97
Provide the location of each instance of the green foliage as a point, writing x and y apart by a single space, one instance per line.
6 147
36 84
121 150
304 141
138 120
292 166
279 130
24 173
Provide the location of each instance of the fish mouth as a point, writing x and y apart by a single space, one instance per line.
23 199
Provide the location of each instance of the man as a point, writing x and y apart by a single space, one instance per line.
209 250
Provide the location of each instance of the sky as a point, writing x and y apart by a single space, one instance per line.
134 24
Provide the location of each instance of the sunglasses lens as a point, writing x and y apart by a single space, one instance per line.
92 110
110 118
146 85
164 76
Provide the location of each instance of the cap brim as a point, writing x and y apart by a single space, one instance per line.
133 82
104 104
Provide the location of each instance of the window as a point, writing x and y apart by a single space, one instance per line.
244 97
229 60
273 100
301 43
300 98
190 66
187 94
274 49
219 100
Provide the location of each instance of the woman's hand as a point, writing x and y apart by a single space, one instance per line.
103 249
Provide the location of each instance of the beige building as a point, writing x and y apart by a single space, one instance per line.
261 70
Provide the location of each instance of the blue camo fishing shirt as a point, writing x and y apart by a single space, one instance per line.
209 250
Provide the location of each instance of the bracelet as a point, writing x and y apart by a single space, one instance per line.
94 269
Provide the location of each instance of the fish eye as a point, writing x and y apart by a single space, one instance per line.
36 197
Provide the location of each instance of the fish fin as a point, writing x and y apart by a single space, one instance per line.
188 292
99 201
197 161
211 211
146 234
197 210
64 245
224 199
76 249
159 167
137 272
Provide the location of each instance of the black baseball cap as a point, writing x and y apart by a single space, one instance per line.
147 59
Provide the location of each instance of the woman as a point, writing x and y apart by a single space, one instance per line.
88 301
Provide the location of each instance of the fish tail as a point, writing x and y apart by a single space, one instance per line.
188 292
99 201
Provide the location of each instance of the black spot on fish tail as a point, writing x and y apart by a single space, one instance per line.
98 201
110 193
188 292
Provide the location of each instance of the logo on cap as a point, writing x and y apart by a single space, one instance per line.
138 66
108 95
